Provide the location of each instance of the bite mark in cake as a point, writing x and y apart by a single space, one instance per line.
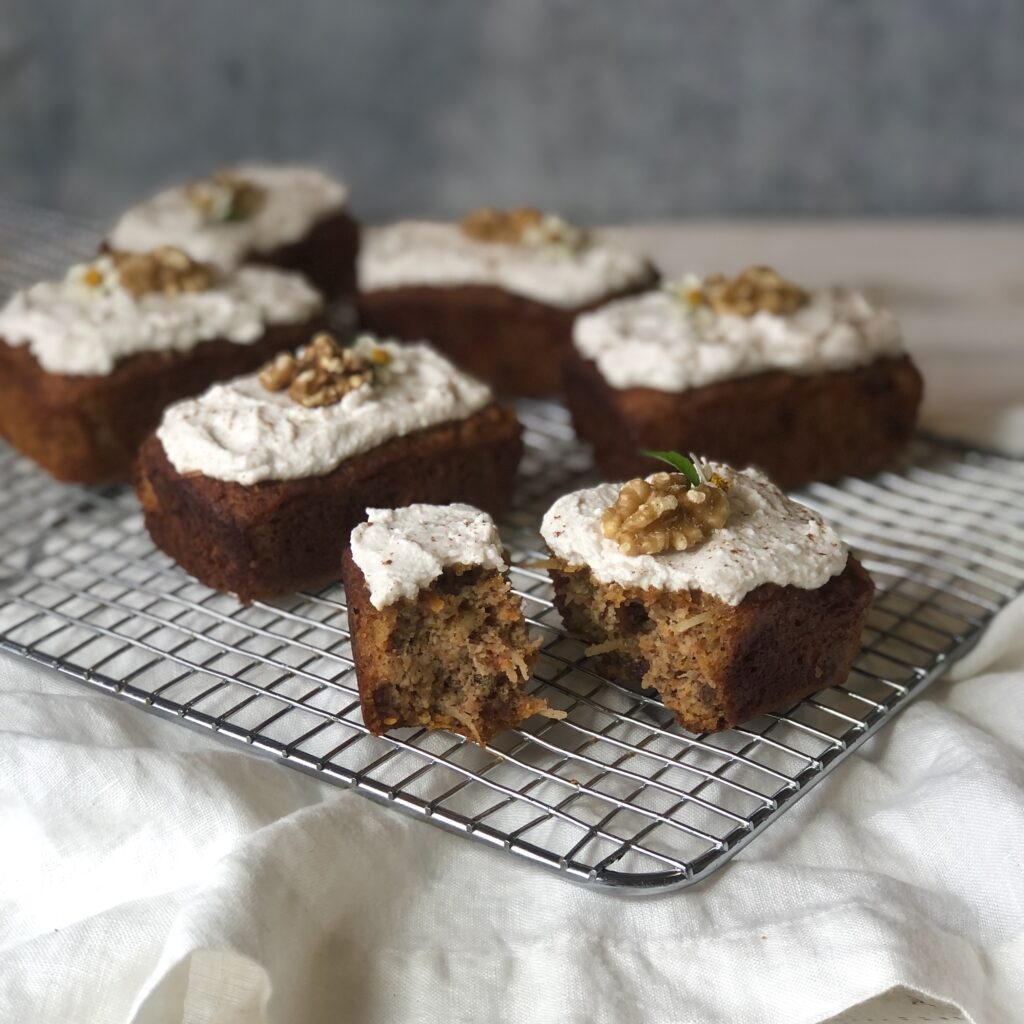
438 636
762 608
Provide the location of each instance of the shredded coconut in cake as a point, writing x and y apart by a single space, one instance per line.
420 253
294 199
658 340
88 322
241 432
402 550
768 538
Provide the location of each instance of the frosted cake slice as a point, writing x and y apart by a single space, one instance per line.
438 636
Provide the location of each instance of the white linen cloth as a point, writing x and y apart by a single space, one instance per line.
153 875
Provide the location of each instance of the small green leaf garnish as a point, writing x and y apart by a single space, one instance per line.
680 463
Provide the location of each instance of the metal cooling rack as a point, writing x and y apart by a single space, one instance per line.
615 794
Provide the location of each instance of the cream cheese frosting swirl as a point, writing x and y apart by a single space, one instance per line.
402 550
241 432
294 200
422 253
655 340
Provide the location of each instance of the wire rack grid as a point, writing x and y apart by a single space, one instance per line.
615 794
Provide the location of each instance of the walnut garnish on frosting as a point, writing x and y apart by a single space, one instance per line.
522 226
753 290
667 511
225 197
166 270
324 371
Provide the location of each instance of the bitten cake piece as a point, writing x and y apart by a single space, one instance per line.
710 586
87 364
290 217
438 637
498 293
751 370
254 486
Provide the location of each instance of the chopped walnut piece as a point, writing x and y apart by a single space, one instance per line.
225 197
753 290
279 372
489 225
665 512
166 270
322 372
521 226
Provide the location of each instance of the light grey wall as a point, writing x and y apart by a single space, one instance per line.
603 109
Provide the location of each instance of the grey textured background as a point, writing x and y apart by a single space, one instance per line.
604 109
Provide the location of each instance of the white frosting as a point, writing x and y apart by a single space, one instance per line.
415 253
768 538
74 329
402 550
241 432
295 199
655 340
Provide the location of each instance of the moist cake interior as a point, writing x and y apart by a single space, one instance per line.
678 639
458 657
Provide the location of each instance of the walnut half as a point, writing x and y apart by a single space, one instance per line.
665 512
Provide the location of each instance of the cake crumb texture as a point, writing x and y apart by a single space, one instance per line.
455 657
715 665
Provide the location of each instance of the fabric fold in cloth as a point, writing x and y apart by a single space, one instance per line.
152 874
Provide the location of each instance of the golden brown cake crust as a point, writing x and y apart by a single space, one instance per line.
384 693
514 343
797 428
279 536
88 429
716 665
